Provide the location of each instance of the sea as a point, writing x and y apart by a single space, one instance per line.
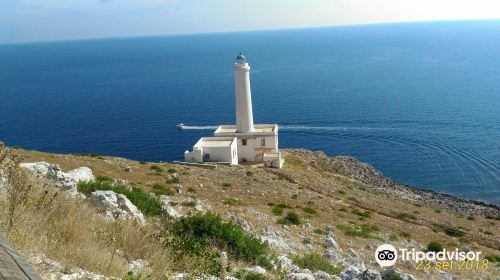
418 101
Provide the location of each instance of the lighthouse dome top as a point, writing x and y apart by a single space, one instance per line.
241 59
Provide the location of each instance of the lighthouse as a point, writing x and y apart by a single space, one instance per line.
244 114
245 142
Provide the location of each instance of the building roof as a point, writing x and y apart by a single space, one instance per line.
212 142
260 129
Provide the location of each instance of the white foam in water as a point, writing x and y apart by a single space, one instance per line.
291 127
199 127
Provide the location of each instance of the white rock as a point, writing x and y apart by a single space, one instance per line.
330 242
285 264
350 273
299 276
139 266
244 224
66 181
333 256
321 275
256 269
117 206
272 237
180 276
371 274
167 209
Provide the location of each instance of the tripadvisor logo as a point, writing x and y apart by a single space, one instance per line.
386 255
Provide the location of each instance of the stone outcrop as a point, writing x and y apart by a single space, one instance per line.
64 180
117 206
168 209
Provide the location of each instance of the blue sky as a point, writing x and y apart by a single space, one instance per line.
44 20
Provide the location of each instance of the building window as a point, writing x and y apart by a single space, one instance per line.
263 141
206 157
244 142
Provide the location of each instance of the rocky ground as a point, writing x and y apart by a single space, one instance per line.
346 209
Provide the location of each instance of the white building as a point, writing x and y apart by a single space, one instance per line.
245 141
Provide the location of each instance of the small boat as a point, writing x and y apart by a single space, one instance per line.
180 126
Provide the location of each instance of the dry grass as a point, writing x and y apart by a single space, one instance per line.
305 175
71 231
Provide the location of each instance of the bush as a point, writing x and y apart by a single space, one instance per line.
210 230
173 180
149 206
159 189
278 209
226 185
249 173
314 262
363 231
406 216
295 196
190 189
493 258
171 170
405 234
362 214
245 275
156 168
103 178
232 202
309 210
391 275
290 218
434 246
92 186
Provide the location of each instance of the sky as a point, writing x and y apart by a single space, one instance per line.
47 20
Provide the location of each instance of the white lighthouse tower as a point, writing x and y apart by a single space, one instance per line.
245 141
244 114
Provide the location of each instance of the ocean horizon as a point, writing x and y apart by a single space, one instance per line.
418 101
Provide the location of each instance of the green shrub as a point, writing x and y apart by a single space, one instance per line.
190 189
103 178
363 231
159 189
405 235
363 214
210 230
343 209
451 231
341 192
232 202
142 162
309 210
171 170
226 185
249 173
493 258
92 186
156 168
391 275
278 209
148 205
490 217
406 216
314 262
352 198
245 275
290 218
393 238
295 196
173 180
471 218
434 246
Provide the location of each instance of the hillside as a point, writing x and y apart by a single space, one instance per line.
343 209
